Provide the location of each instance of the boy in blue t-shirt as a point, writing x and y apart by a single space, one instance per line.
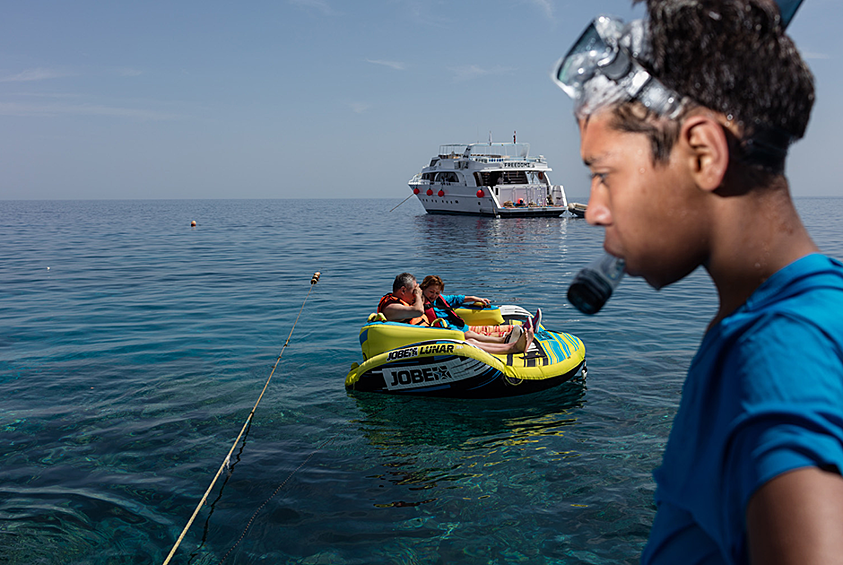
685 121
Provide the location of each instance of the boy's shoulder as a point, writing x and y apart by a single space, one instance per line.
791 325
797 310
810 288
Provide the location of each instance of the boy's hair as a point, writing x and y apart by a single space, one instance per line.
733 57
403 280
431 280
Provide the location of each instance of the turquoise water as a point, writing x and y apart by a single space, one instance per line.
133 346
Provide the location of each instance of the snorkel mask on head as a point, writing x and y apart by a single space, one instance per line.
603 68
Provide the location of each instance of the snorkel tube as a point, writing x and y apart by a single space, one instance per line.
593 285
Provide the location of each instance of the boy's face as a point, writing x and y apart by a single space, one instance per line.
651 213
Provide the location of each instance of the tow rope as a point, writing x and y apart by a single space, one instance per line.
313 280
403 201
275 492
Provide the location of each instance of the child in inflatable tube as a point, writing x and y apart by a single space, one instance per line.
405 304
441 306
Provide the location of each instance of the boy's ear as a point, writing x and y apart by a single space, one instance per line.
707 150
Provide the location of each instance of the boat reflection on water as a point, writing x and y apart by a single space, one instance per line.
486 234
451 443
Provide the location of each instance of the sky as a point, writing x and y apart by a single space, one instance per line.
314 98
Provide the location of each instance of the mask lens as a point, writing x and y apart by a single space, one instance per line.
579 65
603 68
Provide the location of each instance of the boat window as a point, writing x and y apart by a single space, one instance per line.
535 177
494 178
428 176
447 176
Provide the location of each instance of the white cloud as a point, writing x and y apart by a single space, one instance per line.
397 65
469 72
319 5
53 110
426 12
35 74
545 6
32 94
359 107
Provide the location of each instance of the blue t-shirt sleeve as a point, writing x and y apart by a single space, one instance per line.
454 300
790 384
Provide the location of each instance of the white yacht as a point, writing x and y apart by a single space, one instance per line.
488 179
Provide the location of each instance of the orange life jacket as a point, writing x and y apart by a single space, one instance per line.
390 298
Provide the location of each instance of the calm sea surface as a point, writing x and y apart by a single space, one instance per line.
132 348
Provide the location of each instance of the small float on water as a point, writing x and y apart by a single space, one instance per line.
403 359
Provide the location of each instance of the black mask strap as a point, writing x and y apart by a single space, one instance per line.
767 147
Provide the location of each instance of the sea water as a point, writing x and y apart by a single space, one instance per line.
133 347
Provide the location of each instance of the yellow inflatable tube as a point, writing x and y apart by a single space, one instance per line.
432 361
481 316
377 338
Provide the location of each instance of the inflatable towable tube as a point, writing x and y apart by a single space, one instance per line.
428 361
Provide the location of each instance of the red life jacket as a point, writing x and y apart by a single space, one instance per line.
429 312
450 315
390 298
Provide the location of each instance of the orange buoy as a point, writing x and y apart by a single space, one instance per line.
480 193
193 223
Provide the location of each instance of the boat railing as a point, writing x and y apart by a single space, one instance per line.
499 159
492 150
530 195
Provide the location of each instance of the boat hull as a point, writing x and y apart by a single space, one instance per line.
547 212
461 200
578 210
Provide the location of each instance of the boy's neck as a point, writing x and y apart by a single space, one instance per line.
755 235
